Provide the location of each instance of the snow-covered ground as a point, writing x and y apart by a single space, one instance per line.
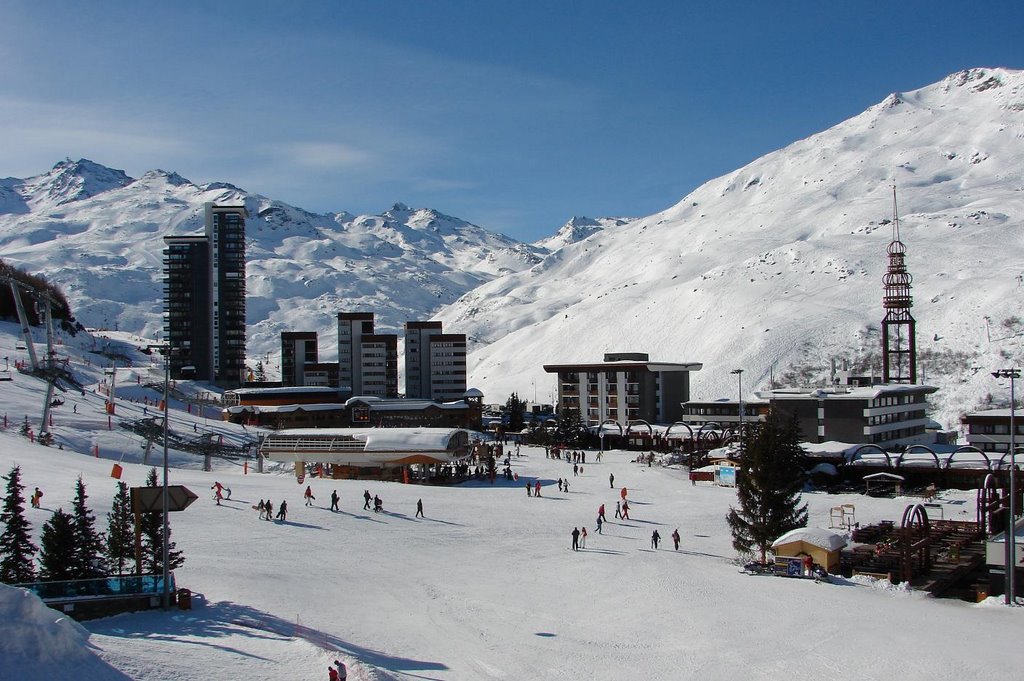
484 587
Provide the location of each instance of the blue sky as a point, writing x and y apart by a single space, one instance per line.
514 115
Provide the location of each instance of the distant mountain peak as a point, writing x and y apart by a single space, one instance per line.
170 177
578 228
71 181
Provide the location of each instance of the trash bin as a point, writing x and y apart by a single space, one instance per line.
184 599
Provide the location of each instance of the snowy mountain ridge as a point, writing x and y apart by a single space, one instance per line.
99 234
776 268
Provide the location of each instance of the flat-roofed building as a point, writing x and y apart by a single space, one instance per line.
624 387
989 430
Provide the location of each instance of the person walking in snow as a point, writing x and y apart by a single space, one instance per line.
655 538
536 489
575 470
366 500
270 510
282 512
334 500
378 505
262 508
218 493
559 484
36 496
675 538
575 539
342 671
618 510
611 480
308 496
600 513
565 486
419 508
599 523
583 538
332 674
529 489
625 510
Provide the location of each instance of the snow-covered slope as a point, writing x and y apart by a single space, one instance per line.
99 234
778 266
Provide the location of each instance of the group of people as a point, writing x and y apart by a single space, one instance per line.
266 509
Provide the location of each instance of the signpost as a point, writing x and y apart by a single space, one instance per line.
151 500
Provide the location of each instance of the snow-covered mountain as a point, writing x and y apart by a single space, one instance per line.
99 234
579 228
777 267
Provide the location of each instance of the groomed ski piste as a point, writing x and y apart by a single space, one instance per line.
486 586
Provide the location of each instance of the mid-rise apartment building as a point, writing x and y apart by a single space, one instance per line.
367 361
435 362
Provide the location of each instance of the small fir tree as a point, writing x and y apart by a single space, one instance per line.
120 531
152 526
515 408
768 484
569 427
87 559
260 373
16 547
58 544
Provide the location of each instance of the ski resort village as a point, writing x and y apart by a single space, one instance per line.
770 431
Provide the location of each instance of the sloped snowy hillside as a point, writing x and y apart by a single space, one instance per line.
777 267
99 234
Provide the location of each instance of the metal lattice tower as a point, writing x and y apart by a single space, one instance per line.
899 346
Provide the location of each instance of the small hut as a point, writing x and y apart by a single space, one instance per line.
822 545
883 484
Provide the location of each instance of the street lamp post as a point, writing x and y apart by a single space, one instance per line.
739 378
165 594
1011 529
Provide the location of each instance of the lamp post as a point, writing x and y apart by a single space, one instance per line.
739 378
165 594
1011 529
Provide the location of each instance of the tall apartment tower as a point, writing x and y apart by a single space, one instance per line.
204 299
435 362
367 361
298 349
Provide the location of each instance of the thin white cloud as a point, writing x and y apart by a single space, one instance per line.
322 155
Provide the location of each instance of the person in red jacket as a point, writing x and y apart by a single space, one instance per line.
675 538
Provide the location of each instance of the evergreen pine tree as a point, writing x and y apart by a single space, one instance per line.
58 543
87 559
16 547
152 525
120 531
515 408
768 483
569 427
260 373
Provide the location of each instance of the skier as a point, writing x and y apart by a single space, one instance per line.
36 496
611 480
342 671
583 538
419 508
655 538
575 539
366 500
309 495
600 513
282 513
334 500
618 510
219 492
625 510
675 538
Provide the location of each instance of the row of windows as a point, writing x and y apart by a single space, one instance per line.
895 417
995 428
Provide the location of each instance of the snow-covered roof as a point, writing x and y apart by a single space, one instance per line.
843 392
283 408
284 390
380 439
815 536
830 449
